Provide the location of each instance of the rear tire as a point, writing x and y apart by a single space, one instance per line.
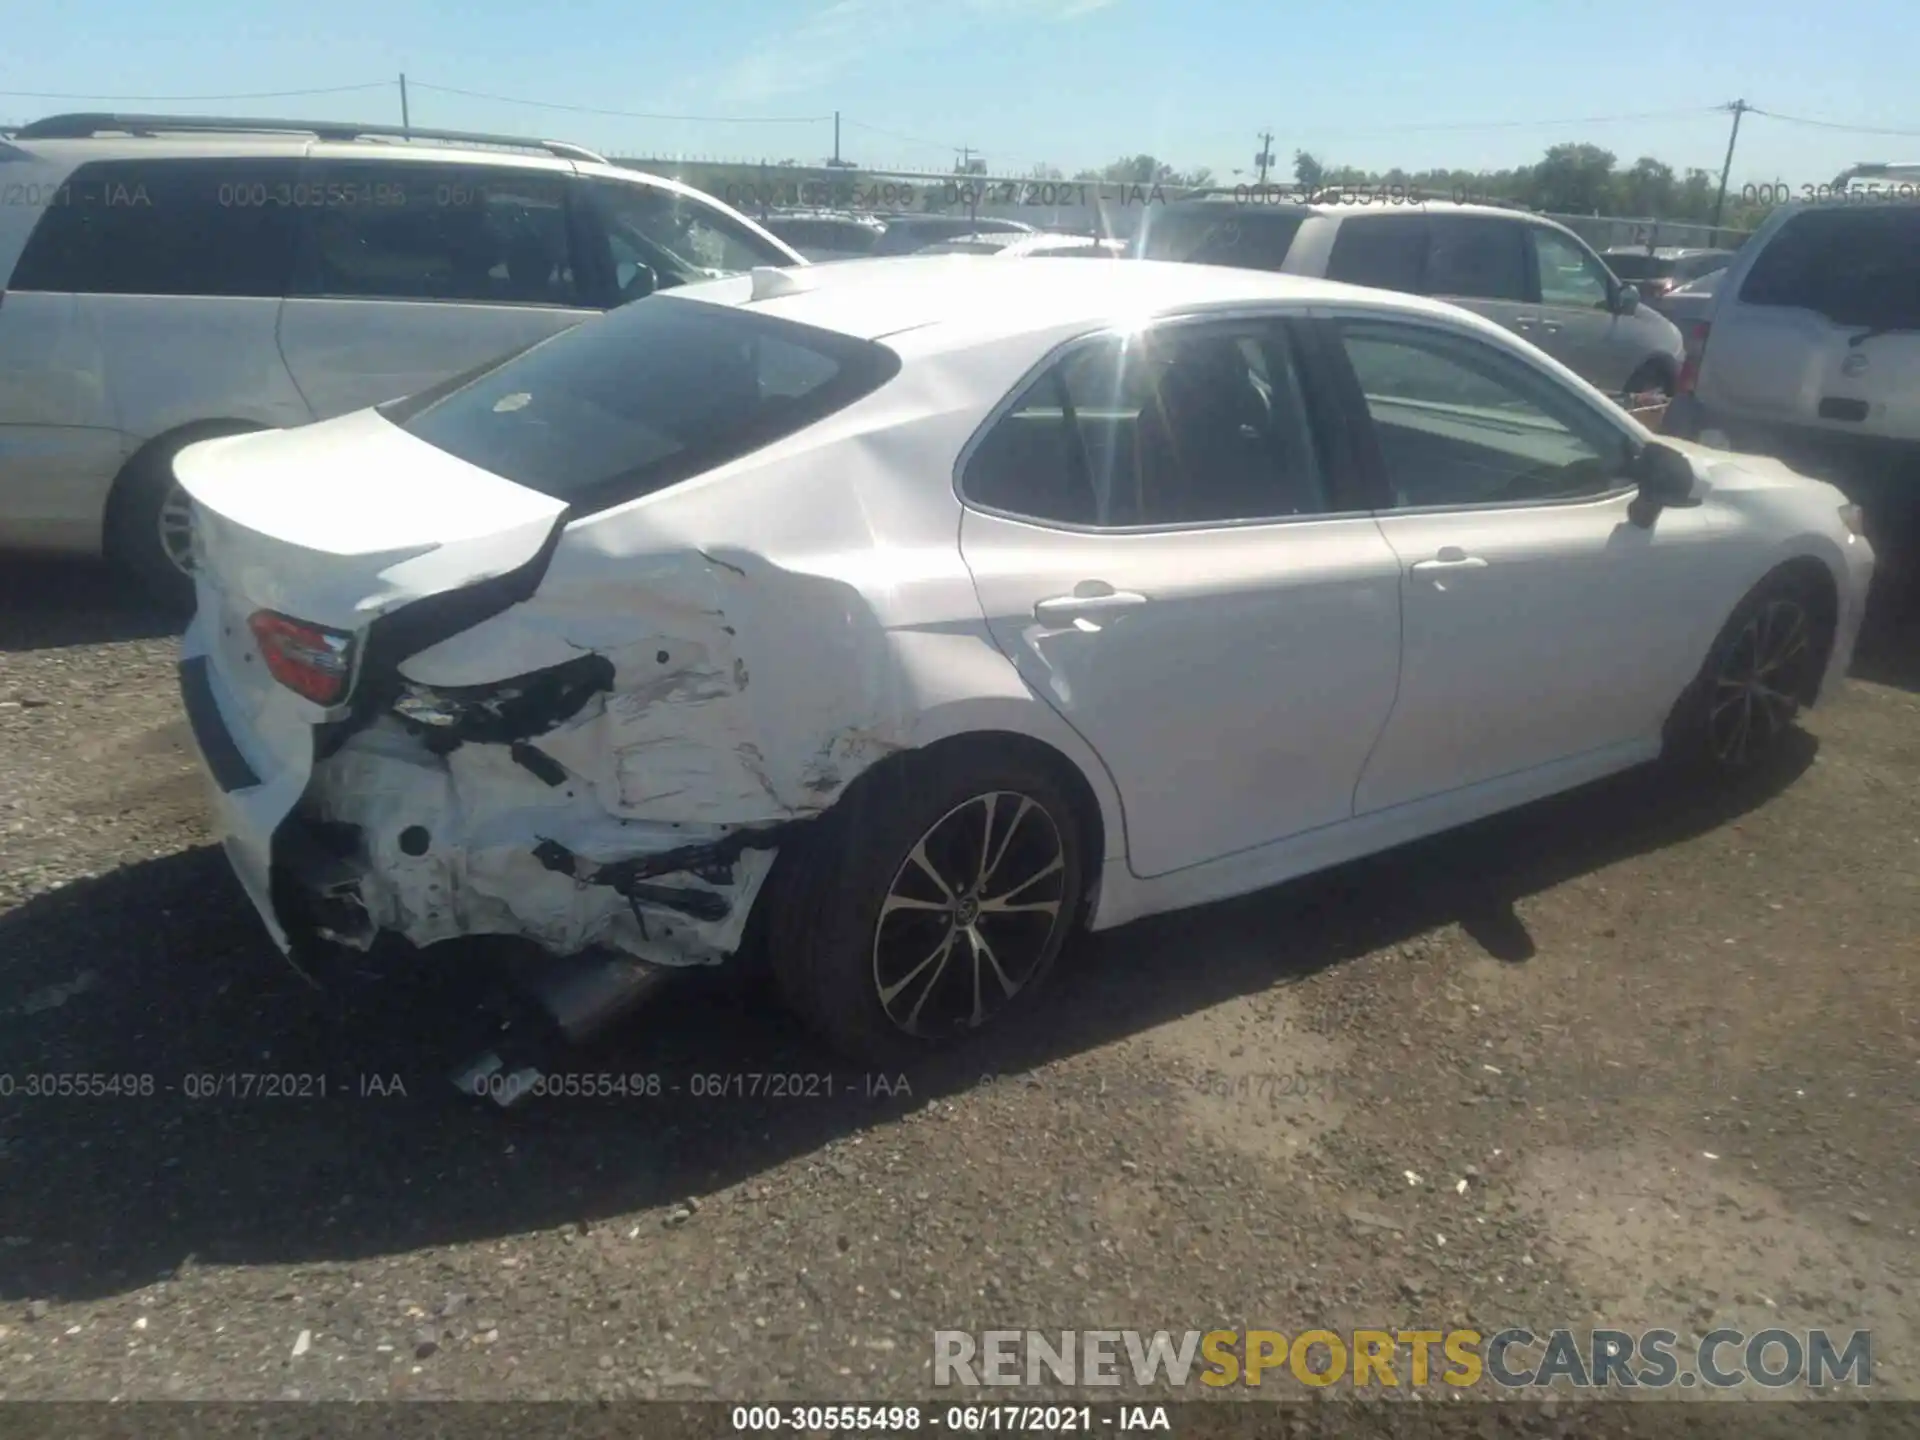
146 524
930 902
1764 666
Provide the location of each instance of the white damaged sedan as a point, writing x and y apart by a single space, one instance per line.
924 610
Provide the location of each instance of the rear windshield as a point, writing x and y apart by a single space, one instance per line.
649 395
1642 267
1220 235
1855 265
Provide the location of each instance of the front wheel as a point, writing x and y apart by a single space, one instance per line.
930 903
1651 378
1764 666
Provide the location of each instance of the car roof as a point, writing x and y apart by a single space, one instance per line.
1342 208
954 301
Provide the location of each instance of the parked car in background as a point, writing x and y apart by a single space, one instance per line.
826 234
167 278
1656 273
1522 271
1811 350
912 232
1014 245
916 613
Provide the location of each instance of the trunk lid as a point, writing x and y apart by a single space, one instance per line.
340 522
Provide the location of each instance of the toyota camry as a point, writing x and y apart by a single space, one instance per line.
906 615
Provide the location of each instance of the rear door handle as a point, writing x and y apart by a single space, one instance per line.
1065 607
1525 322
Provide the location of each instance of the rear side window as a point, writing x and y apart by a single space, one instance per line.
472 233
1221 235
167 227
656 392
1383 251
1190 426
1854 265
1476 258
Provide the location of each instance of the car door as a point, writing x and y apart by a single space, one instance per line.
1540 622
409 273
1176 561
1479 262
1577 324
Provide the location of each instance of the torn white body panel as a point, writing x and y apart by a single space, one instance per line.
453 846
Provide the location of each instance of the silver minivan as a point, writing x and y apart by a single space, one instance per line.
165 279
1523 271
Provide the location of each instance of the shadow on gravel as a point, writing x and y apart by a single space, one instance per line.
1889 649
47 605
160 970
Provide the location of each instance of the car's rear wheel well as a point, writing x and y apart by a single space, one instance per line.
1659 370
128 535
898 768
1086 804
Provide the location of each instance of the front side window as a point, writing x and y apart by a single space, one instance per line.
460 233
167 227
1459 422
1180 427
654 393
1475 258
1568 274
678 238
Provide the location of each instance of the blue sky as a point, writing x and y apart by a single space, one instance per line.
1074 83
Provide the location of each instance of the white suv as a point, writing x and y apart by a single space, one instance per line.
1522 271
1811 350
164 279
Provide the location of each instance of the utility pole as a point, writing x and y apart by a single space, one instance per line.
836 139
406 121
1265 157
1739 108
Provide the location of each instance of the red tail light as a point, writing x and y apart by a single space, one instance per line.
309 660
1696 341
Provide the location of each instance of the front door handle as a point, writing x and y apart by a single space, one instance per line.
1451 557
1525 322
1065 607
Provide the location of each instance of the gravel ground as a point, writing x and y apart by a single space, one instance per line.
1671 1048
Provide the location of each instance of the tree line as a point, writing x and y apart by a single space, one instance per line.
1571 179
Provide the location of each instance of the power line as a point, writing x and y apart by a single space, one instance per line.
1692 113
909 139
195 99
629 114
1831 124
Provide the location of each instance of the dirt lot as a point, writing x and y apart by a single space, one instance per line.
1672 1048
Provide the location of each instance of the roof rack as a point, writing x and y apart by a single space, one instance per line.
84 126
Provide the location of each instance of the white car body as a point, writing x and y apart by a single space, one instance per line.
1242 702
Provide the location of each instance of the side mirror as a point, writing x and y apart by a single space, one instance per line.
1627 299
636 281
1665 478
